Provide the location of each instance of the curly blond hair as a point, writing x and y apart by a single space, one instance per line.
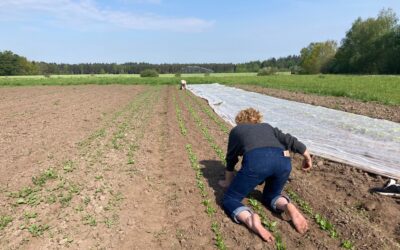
248 115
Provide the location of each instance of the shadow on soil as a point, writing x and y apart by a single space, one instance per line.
214 171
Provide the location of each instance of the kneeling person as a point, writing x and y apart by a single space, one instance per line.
265 158
183 85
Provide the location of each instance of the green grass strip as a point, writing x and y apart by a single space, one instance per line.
380 88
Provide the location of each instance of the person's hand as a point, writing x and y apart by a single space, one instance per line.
307 161
307 164
223 183
228 179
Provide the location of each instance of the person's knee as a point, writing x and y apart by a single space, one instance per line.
230 203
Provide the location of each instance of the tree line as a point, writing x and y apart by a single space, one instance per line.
371 46
13 64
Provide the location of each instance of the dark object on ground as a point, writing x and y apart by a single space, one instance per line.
390 189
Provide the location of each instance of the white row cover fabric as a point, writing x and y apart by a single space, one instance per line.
370 144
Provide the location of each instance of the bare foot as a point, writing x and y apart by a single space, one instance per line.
298 219
253 222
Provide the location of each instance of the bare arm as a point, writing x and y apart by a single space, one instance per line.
307 161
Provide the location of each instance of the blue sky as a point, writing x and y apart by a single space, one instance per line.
174 31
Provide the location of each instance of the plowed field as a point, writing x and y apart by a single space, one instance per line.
136 167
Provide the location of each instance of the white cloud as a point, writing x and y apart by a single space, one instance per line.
84 14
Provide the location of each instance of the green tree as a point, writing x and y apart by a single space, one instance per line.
364 48
13 64
317 57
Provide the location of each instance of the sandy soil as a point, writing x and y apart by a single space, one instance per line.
111 171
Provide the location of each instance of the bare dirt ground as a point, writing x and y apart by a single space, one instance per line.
107 167
371 109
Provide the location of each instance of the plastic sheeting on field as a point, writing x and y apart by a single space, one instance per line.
369 144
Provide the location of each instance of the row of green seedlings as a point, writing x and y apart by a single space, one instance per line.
322 221
101 133
210 209
270 225
210 113
116 197
133 146
122 129
119 134
118 138
205 132
179 116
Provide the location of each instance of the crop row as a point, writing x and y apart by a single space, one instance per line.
139 133
210 113
181 123
134 113
139 113
129 114
126 138
321 221
270 225
209 208
101 133
206 134
133 107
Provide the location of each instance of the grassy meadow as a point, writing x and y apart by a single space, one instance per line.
381 89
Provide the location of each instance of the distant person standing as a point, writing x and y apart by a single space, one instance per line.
183 85
265 159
